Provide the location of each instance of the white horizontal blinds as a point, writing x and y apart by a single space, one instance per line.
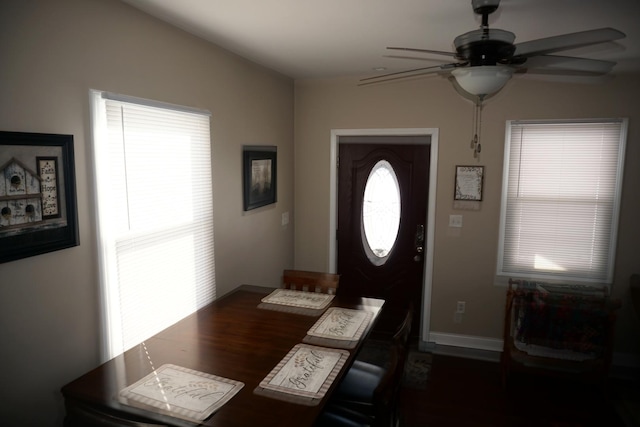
161 222
561 200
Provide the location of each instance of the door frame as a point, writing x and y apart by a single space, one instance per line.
425 325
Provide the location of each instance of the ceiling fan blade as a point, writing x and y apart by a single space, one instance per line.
407 73
414 58
567 41
411 49
581 66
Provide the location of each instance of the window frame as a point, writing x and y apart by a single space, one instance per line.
114 239
503 274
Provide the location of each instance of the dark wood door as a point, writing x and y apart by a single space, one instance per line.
398 278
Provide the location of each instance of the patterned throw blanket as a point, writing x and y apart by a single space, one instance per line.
568 321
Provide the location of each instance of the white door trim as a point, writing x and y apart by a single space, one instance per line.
431 209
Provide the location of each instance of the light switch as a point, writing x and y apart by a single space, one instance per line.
285 218
455 221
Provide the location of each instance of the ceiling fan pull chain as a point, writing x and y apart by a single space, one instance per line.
478 122
474 131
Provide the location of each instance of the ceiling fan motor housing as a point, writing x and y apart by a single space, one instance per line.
485 47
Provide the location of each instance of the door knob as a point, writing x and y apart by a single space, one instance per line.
419 243
419 234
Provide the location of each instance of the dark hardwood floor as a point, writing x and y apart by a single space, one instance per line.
468 392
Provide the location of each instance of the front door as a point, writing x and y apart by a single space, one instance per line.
382 213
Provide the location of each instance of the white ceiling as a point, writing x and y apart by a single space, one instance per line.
332 38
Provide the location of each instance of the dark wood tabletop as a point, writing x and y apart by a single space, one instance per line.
230 338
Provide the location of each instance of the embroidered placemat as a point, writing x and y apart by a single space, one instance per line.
339 327
304 375
290 309
302 299
180 392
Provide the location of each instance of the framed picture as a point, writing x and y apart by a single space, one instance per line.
259 176
38 212
469 183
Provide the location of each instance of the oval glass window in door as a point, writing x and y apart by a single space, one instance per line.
380 212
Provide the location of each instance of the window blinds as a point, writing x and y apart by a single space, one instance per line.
561 195
155 202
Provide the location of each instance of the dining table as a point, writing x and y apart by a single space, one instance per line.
241 342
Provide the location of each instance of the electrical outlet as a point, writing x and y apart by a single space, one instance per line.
460 307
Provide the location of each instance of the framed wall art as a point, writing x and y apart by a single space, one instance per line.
259 171
38 212
469 183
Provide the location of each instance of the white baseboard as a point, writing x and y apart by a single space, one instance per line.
471 347
489 349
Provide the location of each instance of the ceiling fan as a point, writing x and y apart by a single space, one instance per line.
486 58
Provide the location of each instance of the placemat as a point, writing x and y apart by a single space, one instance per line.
339 327
289 297
304 375
290 309
180 392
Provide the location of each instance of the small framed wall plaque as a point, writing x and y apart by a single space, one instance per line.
469 180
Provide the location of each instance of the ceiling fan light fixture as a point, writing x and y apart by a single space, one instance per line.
482 80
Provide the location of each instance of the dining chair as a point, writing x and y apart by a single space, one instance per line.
634 287
367 395
310 281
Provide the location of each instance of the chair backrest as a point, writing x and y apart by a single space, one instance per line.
310 281
634 286
386 393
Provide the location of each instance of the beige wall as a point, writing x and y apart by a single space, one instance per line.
464 263
52 54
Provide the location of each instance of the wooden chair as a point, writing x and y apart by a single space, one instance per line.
634 288
583 322
310 281
367 396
